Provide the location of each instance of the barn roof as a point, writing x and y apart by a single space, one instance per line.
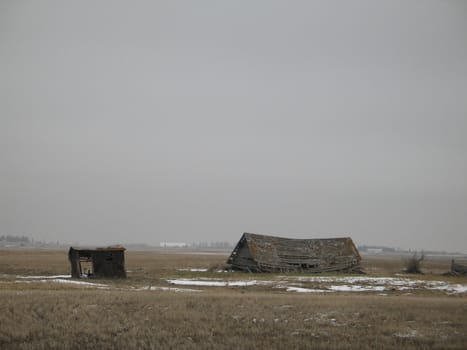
279 253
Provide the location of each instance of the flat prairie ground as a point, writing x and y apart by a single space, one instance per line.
174 300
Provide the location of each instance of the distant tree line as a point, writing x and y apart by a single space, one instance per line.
15 239
213 245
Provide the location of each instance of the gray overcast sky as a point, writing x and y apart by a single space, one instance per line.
149 121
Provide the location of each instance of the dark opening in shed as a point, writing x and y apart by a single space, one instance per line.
97 262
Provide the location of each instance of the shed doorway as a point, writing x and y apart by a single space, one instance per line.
86 267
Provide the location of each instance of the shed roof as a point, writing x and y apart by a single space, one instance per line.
108 248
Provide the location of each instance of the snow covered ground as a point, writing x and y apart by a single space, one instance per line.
43 277
324 284
146 288
211 282
296 284
64 281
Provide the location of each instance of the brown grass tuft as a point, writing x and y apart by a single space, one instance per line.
56 316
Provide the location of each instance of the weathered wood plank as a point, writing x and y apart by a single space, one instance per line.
262 253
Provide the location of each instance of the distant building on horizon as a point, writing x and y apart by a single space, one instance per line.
173 245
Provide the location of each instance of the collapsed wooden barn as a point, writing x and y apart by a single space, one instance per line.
262 253
458 269
106 262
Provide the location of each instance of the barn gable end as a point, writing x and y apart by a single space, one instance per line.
263 253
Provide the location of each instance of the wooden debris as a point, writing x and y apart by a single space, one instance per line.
458 269
262 253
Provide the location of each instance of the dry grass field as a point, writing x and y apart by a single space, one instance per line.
168 303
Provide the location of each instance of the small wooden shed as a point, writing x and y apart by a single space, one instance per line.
263 253
105 262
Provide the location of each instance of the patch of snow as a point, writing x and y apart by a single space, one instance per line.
44 277
168 289
289 283
212 283
357 279
459 288
328 284
449 288
58 280
378 284
408 334
357 288
82 283
305 290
